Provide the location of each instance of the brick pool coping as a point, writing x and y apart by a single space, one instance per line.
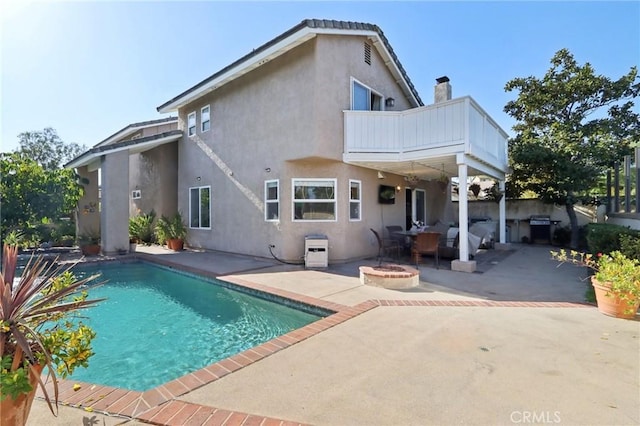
158 405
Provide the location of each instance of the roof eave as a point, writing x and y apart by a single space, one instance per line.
134 127
137 145
301 35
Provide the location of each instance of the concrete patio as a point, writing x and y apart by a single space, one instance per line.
513 344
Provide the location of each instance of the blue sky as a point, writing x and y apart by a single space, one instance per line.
88 69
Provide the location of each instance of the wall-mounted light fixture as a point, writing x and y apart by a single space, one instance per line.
398 188
268 170
381 175
198 178
389 102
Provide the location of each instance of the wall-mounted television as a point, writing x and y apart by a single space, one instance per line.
386 194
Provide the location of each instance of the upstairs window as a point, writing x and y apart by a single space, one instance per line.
364 99
191 124
205 119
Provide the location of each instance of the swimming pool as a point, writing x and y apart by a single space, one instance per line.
159 324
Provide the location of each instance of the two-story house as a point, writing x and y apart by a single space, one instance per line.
318 131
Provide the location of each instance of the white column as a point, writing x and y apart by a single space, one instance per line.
463 264
502 208
463 212
114 212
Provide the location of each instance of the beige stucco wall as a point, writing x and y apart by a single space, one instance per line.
519 211
162 128
283 121
155 174
88 212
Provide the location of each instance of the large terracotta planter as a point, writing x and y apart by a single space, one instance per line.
90 249
612 304
15 412
175 244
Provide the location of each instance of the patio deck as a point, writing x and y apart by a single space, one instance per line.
498 347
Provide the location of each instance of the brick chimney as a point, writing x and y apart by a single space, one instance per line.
442 90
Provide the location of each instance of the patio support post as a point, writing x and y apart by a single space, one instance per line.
115 202
463 264
502 211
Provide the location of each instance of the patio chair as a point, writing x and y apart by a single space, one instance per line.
426 243
403 241
386 246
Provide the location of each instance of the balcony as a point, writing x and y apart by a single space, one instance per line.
427 141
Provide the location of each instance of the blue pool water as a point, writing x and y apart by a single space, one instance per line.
158 324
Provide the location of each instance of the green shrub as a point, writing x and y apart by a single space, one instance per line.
562 237
142 228
14 238
171 228
605 237
630 246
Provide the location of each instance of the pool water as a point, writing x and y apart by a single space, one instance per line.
157 324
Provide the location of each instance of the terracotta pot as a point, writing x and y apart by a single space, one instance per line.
611 304
16 411
175 244
90 249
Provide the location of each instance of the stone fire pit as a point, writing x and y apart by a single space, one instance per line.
390 276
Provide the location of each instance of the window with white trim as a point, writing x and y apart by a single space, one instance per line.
205 118
191 123
272 200
314 199
355 202
364 98
200 207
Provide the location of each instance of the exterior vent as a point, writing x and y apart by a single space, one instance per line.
367 53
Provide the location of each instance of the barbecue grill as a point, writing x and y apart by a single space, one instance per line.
540 228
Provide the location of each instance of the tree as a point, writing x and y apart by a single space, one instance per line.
571 126
29 193
46 148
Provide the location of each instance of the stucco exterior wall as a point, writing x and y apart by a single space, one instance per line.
284 121
88 212
155 174
631 220
162 128
519 211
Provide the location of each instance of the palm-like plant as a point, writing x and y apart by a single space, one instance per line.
169 228
38 327
141 227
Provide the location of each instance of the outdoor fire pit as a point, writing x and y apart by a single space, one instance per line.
390 276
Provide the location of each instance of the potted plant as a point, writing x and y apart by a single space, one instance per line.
38 328
141 228
89 242
172 231
133 244
616 280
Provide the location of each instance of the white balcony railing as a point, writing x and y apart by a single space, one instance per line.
456 126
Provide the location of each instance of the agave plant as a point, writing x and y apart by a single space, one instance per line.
39 325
